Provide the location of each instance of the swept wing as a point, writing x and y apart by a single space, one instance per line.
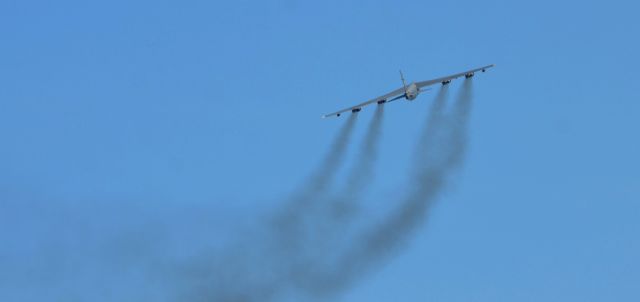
452 77
400 92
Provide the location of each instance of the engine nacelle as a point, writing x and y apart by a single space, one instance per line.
354 110
446 82
468 75
338 114
382 102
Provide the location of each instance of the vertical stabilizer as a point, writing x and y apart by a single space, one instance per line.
404 84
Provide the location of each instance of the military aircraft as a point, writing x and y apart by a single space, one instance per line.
409 92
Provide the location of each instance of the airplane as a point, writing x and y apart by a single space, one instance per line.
409 92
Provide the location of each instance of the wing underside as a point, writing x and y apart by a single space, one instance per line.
452 77
382 99
400 91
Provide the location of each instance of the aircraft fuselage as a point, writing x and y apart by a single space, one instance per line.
412 92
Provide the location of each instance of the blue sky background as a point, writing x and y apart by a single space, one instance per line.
196 117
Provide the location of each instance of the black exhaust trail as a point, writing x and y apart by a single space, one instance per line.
290 257
323 177
362 173
440 149
263 265
315 188
331 224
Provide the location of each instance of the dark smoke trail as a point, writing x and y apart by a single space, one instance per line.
432 131
459 124
292 257
362 173
314 189
308 242
440 150
332 223
262 266
321 179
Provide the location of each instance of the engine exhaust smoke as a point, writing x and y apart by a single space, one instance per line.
362 173
315 188
440 150
262 265
322 178
303 252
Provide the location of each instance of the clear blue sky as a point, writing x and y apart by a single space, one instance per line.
203 114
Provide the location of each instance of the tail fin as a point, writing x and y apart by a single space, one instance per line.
404 84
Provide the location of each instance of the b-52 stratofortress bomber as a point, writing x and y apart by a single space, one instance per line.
409 92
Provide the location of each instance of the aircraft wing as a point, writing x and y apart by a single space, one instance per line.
398 93
382 98
452 77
